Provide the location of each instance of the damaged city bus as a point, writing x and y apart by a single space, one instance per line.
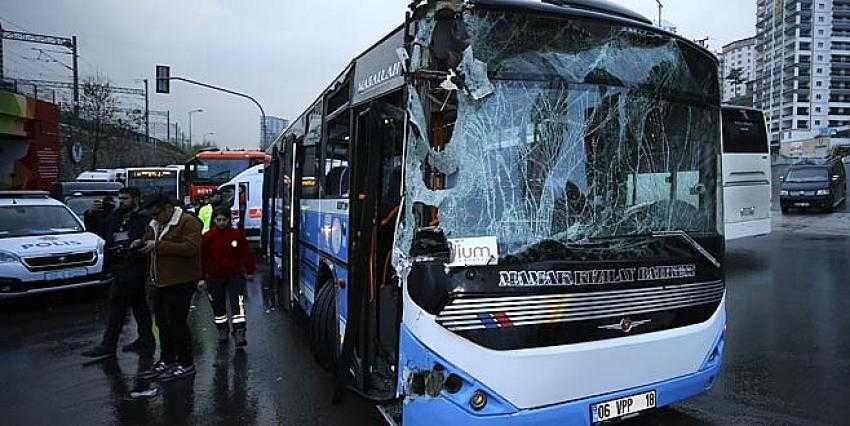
509 211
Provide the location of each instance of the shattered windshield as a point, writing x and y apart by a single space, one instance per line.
551 129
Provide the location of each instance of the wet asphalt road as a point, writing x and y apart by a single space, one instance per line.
787 359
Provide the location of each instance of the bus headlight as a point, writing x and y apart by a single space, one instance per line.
783 192
6 257
822 192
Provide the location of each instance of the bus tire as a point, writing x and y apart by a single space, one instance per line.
323 327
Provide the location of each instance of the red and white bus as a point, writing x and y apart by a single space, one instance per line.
210 169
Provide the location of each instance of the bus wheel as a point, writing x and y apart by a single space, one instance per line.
323 327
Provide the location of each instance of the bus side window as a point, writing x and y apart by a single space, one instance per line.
309 181
336 157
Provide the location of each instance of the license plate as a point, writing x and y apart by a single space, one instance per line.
801 204
65 274
616 408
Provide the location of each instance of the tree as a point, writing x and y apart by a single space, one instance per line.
98 109
736 78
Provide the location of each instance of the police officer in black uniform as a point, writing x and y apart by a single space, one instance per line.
126 224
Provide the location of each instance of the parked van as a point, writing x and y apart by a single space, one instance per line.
246 189
80 196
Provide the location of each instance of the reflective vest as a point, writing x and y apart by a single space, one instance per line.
205 215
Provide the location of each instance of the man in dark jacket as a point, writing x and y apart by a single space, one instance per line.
126 224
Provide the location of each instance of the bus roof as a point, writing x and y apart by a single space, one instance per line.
230 155
595 6
376 58
130 169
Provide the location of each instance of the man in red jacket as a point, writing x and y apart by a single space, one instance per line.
226 258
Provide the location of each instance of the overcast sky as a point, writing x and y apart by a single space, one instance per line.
283 52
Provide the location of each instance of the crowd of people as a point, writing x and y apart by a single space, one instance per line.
160 253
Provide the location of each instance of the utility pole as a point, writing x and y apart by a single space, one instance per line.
76 77
147 119
660 6
2 77
168 126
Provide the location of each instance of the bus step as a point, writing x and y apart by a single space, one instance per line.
391 412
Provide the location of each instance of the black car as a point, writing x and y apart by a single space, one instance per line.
820 185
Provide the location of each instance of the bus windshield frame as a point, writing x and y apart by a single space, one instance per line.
559 129
155 181
218 170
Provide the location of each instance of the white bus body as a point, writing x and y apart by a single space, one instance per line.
747 191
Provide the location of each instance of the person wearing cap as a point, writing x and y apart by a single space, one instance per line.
226 259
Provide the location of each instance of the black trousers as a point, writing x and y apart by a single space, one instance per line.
171 306
221 292
128 292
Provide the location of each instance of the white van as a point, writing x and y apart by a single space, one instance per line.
249 184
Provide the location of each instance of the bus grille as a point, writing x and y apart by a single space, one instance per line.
464 313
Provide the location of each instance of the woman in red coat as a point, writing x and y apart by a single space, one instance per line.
226 259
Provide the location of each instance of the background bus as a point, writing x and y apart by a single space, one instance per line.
747 191
157 180
492 248
210 169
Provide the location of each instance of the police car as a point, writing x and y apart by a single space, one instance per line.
44 246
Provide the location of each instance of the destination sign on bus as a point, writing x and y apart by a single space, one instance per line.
151 173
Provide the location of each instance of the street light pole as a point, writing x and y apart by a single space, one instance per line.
190 125
660 6
221 89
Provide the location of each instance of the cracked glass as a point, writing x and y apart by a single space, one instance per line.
537 129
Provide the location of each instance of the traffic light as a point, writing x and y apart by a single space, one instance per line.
163 82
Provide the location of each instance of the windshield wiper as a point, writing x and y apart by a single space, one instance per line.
692 242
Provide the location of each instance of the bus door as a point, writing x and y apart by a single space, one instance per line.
268 208
292 172
370 347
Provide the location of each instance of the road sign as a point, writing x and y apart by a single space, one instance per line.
163 84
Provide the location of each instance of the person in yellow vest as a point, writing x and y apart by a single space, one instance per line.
205 215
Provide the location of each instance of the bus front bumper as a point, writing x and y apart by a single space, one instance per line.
456 409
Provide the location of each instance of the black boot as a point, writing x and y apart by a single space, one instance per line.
239 337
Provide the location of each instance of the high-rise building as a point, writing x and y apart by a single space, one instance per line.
803 66
738 70
274 127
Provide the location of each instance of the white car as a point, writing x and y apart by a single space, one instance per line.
44 247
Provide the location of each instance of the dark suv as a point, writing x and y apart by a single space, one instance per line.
820 185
